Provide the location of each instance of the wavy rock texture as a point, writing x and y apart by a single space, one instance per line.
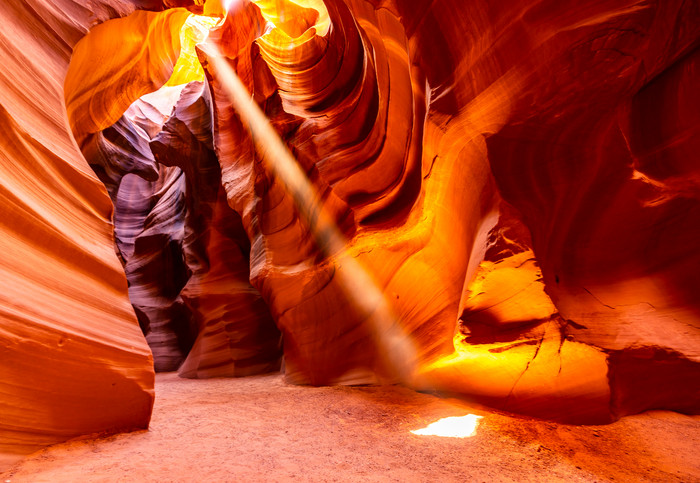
72 358
184 251
149 218
413 123
519 179
613 256
235 334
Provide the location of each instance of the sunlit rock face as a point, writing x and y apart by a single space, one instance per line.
492 169
72 358
518 178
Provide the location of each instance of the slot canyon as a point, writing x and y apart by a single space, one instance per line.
301 231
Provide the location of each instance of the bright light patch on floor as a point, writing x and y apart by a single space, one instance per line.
454 427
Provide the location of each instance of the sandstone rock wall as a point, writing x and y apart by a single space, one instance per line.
520 180
486 163
72 358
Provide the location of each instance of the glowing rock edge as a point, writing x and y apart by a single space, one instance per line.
520 182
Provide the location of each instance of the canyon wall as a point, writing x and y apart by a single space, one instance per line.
519 180
489 170
72 358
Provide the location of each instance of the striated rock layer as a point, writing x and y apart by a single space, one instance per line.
492 167
184 251
72 358
520 180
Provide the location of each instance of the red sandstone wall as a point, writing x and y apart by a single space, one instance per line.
520 180
72 358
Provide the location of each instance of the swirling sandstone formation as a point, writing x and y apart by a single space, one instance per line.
72 358
520 180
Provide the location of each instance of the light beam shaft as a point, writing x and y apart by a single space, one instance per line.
394 346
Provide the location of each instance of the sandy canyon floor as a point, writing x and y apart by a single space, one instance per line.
261 429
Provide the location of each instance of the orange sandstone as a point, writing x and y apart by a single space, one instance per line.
519 180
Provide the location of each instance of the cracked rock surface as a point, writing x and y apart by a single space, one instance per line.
520 181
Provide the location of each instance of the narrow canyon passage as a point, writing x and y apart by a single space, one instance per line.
496 202
259 428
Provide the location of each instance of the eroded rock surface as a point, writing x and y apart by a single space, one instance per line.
420 127
72 358
184 250
520 180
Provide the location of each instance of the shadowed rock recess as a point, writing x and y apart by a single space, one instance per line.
519 178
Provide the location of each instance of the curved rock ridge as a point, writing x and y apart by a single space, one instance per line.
433 138
72 358
367 158
236 334
184 251
187 278
520 180
136 55
611 252
149 224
